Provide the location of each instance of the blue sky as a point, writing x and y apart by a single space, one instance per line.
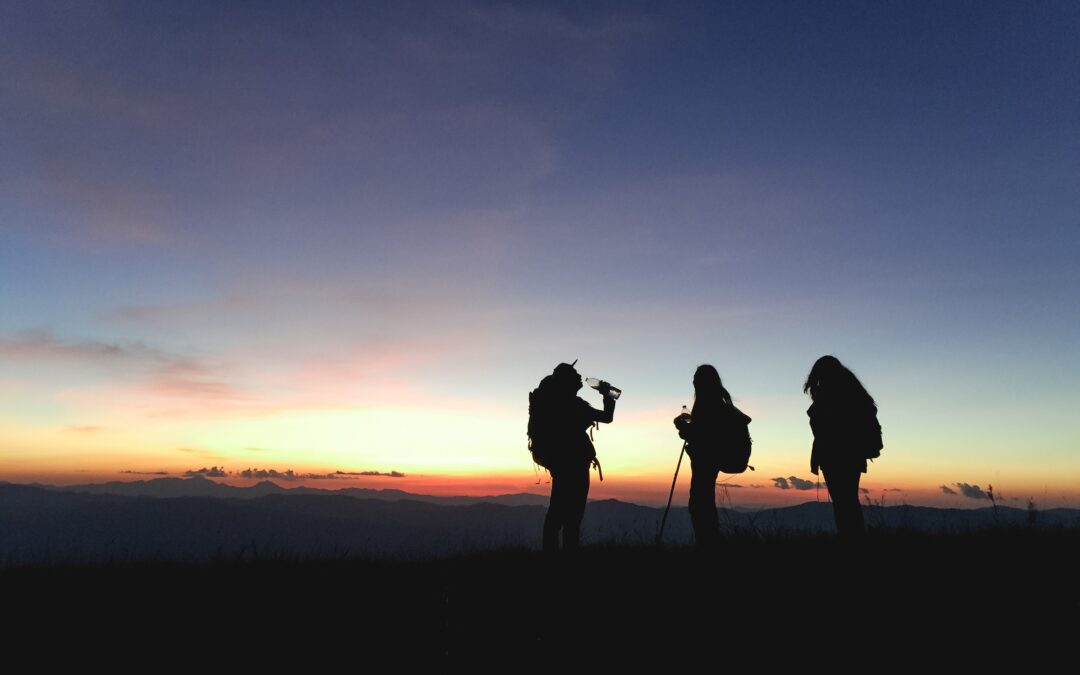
284 207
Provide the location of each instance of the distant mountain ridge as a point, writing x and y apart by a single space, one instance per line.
198 486
43 525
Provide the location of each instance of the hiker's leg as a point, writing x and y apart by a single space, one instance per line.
843 485
702 504
556 513
577 495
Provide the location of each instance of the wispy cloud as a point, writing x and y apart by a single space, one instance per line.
388 474
537 21
146 473
190 379
81 91
201 452
83 428
169 371
163 382
290 475
110 212
286 475
43 345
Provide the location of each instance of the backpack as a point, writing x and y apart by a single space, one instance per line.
539 432
734 455
547 433
554 433
874 445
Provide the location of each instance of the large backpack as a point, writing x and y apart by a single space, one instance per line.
546 433
734 455
540 445
554 432
872 437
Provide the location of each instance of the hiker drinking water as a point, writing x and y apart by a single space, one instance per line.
843 417
717 439
558 420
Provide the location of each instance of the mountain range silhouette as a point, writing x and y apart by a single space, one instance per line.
42 524
198 486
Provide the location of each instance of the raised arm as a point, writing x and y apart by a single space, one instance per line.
605 415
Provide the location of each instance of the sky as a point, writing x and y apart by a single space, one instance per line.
347 238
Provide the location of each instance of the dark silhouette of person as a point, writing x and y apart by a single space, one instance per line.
567 450
706 431
843 417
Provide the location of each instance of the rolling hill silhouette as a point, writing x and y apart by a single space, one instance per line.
47 525
198 486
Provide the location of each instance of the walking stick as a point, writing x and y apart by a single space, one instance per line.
663 521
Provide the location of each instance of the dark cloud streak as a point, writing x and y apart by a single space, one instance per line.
972 491
794 483
388 474
212 472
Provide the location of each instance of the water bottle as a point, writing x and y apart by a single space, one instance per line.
683 420
594 382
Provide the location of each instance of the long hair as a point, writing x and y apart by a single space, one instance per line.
709 391
831 380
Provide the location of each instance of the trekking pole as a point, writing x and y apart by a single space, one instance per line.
663 521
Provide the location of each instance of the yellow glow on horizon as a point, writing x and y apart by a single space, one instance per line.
470 447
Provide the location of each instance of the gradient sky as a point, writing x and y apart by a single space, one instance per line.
352 237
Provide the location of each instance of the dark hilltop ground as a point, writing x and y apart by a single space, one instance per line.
947 594
99 575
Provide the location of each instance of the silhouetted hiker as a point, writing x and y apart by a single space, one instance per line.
712 432
843 418
558 420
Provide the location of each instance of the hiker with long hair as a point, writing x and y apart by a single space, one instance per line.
843 417
707 431
558 424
